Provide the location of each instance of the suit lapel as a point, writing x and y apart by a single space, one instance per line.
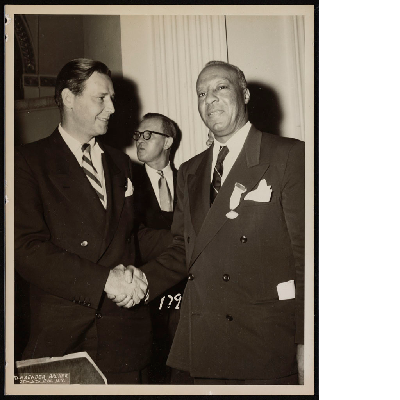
115 187
199 190
247 170
71 181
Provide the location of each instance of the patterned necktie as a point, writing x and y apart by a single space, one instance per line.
91 172
218 171
165 194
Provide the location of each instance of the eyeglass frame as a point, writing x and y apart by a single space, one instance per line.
140 134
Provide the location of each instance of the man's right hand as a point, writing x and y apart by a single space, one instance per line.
125 292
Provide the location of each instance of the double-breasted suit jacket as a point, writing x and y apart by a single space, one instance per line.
232 323
65 245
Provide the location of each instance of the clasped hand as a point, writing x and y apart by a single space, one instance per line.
126 286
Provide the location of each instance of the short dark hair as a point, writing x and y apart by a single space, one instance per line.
170 127
240 75
73 76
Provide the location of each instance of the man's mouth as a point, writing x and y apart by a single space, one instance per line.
105 119
214 113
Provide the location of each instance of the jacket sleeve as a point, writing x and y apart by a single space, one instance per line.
293 207
153 242
170 267
37 259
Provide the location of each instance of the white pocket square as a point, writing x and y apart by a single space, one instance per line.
286 290
129 188
262 194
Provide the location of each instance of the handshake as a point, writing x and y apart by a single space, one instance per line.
126 286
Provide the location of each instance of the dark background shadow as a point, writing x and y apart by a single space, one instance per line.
175 144
126 116
265 111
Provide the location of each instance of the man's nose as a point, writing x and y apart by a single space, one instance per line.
211 97
141 139
110 106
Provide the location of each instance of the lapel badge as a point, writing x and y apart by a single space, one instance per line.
234 201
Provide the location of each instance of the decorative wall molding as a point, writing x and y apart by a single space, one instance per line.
48 81
35 104
25 43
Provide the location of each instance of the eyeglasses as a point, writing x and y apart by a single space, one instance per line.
146 134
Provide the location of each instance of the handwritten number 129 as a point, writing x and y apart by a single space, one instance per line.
177 298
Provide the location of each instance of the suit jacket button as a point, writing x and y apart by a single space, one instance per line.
190 277
229 317
129 240
98 315
243 239
84 243
226 277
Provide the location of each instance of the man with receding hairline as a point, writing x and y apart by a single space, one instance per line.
238 232
154 203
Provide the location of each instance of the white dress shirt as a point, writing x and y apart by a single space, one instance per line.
95 152
154 177
235 145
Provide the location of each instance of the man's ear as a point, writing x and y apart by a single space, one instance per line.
168 142
246 93
68 98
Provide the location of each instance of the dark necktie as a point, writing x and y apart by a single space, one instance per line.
218 171
91 172
165 194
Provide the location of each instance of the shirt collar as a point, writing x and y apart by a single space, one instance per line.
235 143
75 145
153 172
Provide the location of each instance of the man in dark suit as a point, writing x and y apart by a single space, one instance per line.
154 152
154 209
238 232
73 228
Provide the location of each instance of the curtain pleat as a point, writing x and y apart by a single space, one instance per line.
182 46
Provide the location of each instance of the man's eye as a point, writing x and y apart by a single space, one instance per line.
222 87
101 98
200 94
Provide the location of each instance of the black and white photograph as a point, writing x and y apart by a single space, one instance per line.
160 194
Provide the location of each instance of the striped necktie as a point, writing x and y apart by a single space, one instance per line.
218 171
165 194
91 172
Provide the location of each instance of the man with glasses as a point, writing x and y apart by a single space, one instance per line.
154 138
154 202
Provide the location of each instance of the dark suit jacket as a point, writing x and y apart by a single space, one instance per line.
147 209
232 323
65 246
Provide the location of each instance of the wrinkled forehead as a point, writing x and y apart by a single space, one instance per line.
152 124
216 72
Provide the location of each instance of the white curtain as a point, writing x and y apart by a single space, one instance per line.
299 48
182 46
